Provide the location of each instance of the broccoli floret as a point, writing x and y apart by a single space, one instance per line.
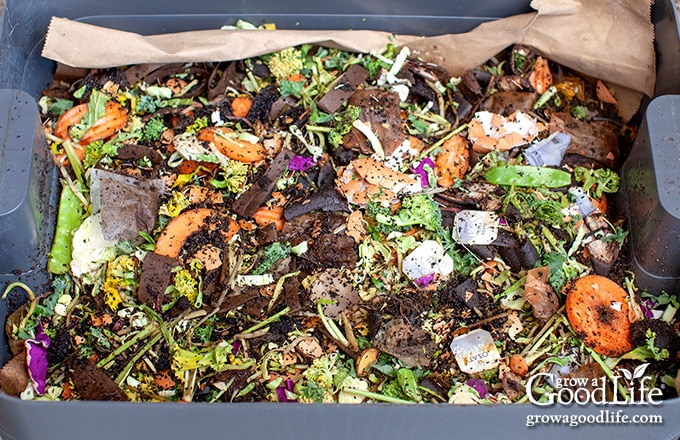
270 255
146 104
153 129
417 209
597 181
285 63
375 209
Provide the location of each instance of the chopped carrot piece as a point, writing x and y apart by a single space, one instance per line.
600 204
67 390
187 166
297 77
112 122
232 147
178 231
240 106
518 365
269 214
452 162
69 118
597 309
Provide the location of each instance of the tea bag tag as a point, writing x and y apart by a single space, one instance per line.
549 151
475 227
585 206
475 351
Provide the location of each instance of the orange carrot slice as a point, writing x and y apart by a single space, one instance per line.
233 147
240 106
600 203
269 214
178 231
69 118
452 162
598 312
297 77
112 122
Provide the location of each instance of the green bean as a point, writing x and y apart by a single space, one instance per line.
69 219
525 175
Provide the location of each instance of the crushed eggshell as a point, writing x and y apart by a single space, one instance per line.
427 259
377 173
604 94
405 153
475 227
490 131
453 161
356 227
513 326
366 179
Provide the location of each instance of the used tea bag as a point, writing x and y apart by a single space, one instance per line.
127 205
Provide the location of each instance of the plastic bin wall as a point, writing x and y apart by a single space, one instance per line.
651 180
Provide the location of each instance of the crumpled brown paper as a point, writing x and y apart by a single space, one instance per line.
608 39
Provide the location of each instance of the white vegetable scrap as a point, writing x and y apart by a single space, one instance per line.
427 259
400 86
90 248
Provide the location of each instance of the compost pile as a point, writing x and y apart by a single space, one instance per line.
315 225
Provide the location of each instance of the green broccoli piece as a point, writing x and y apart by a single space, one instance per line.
146 104
153 129
270 255
417 209
343 124
597 181
375 209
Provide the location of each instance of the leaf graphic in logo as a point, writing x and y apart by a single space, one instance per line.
640 370
626 374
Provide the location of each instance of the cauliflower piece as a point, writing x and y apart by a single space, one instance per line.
285 63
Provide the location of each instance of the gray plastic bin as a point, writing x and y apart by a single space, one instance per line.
652 188
28 192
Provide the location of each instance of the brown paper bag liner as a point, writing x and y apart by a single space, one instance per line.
606 39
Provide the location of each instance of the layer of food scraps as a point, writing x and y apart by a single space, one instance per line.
315 225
